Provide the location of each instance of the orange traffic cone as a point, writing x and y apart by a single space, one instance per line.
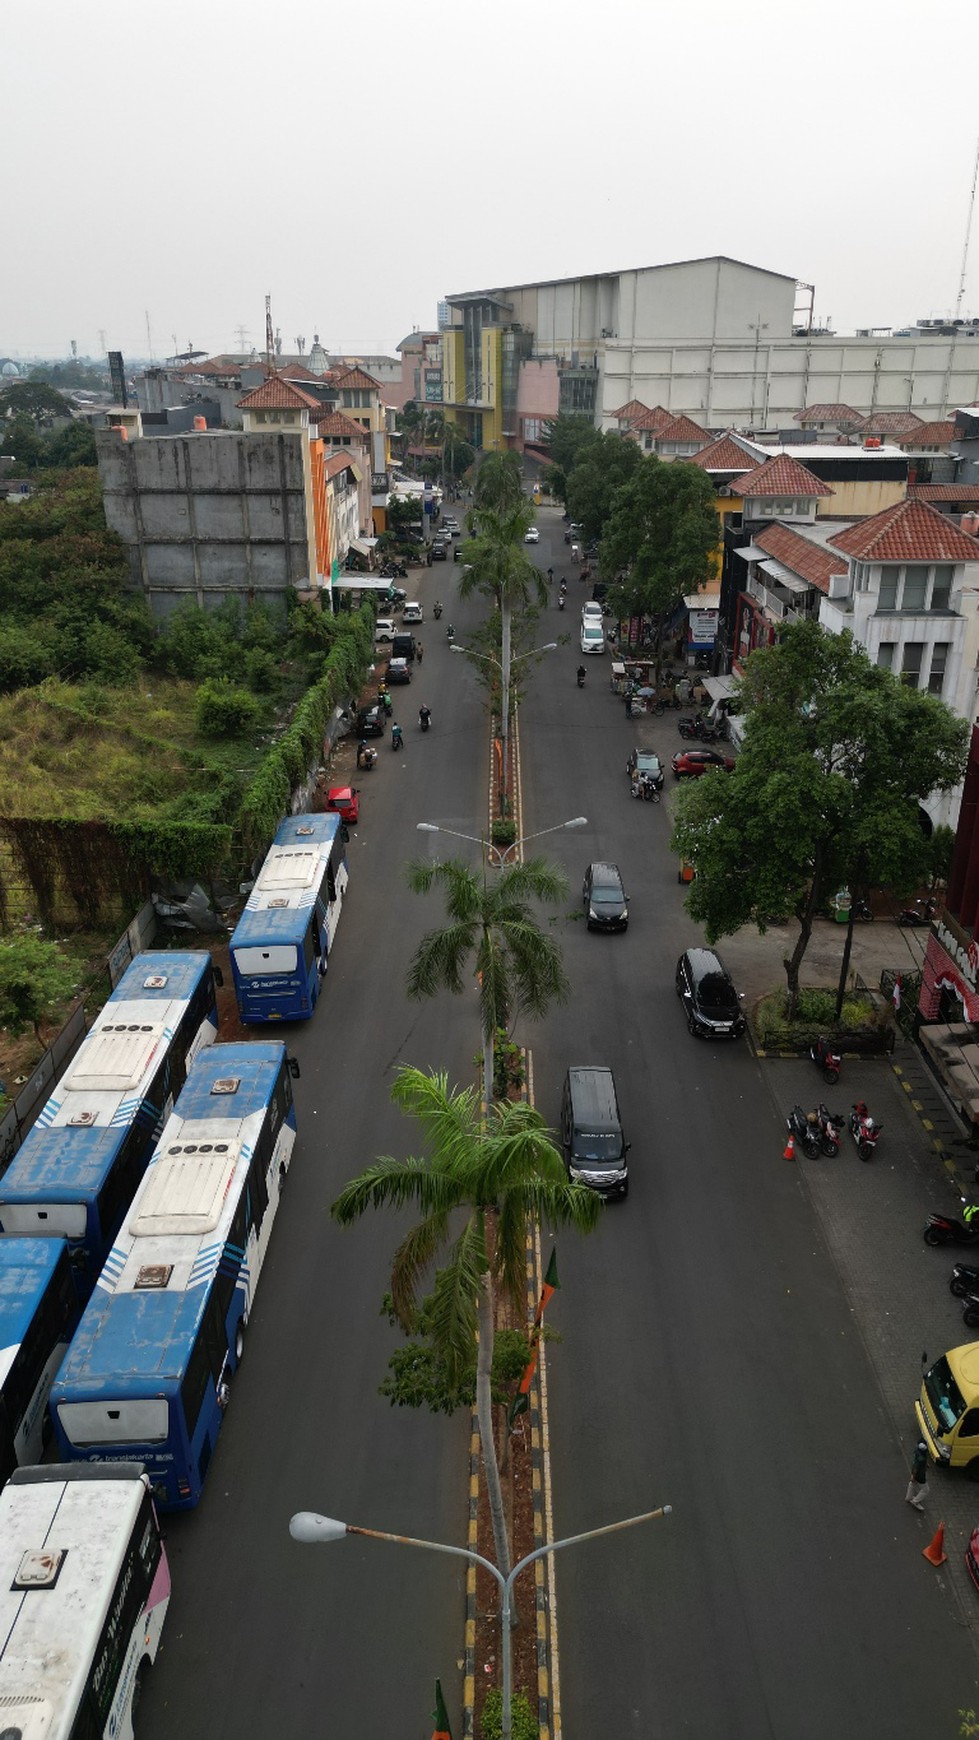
789 1153
935 1552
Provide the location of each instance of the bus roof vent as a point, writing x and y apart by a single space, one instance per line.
226 1084
279 901
184 1194
151 1275
155 982
290 867
305 829
114 1058
40 1568
82 1120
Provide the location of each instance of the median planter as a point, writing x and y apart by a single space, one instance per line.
865 1028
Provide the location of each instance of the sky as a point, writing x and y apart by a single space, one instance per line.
173 163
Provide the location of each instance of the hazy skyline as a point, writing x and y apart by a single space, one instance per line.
183 161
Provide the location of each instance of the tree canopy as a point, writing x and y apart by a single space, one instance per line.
660 534
565 437
601 468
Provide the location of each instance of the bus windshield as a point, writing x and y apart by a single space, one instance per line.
277 958
944 1394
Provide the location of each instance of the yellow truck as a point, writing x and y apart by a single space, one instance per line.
947 1409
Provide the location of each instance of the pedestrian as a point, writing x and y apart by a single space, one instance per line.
419 651
918 1484
628 703
428 556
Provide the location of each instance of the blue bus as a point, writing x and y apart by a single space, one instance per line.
77 1170
149 1372
38 1315
280 946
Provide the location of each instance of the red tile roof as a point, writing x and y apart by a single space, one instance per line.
626 413
930 435
353 378
276 394
781 476
844 416
682 429
337 462
964 492
651 421
809 560
910 531
214 365
890 423
724 454
331 422
298 372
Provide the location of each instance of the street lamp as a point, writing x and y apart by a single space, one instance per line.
309 1528
501 856
549 646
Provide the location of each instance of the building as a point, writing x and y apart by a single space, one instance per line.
421 371
715 340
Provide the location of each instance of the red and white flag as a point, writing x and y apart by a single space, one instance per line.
896 993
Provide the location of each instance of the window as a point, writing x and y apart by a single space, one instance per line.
941 585
887 596
939 659
885 655
911 665
915 587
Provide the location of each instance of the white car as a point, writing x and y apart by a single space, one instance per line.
384 628
412 613
592 637
531 535
591 612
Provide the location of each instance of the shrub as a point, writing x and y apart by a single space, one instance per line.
34 978
525 1725
261 670
221 710
504 831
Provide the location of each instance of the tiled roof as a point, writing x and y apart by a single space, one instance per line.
626 413
890 423
353 378
844 416
910 531
724 454
930 435
650 421
212 365
337 462
809 560
964 492
276 394
298 372
782 476
682 429
330 422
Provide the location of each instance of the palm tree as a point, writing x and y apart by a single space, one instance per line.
496 564
501 1173
492 928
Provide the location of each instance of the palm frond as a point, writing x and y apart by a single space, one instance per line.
413 1256
454 1312
449 1118
439 962
390 1183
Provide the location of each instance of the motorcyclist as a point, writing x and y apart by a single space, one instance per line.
366 754
424 717
450 632
564 586
550 574
397 736
581 676
437 609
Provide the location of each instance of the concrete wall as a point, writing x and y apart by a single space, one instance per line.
209 516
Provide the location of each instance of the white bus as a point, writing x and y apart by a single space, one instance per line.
84 1590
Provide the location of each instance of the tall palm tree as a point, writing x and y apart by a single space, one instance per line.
496 564
500 1173
493 932
499 481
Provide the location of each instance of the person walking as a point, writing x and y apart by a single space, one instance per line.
419 651
918 1484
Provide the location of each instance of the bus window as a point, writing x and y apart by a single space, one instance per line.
276 958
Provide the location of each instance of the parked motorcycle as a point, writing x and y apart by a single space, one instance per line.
944 1229
864 1131
829 1129
918 915
964 1279
804 1127
826 1057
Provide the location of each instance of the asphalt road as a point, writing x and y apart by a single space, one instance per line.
265 1636
711 1358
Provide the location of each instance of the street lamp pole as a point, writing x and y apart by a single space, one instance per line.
501 855
504 667
312 1530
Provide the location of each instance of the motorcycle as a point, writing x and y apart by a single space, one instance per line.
917 915
424 717
643 787
804 1127
436 610
964 1279
560 602
450 634
829 1129
366 757
826 1057
581 676
864 1131
397 739
944 1229
385 701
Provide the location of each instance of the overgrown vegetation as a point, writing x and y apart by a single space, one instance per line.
815 1013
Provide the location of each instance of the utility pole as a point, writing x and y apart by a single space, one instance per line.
269 335
149 337
102 340
968 232
241 334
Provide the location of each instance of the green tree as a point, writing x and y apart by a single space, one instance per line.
69 447
500 1174
34 980
837 755
22 442
492 931
660 535
222 710
600 470
33 399
499 484
565 436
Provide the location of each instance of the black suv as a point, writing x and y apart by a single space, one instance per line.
604 897
370 722
713 1005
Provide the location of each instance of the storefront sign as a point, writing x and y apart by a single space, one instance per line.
702 628
753 630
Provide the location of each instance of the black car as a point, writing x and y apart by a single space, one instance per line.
713 1005
438 553
604 897
399 671
370 722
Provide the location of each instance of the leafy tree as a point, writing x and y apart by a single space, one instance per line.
90 377
70 447
500 1174
660 535
497 565
566 436
22 442
34 980
499 483
837 755
492 927
601 468
458 454
33 399
222 710
418 1376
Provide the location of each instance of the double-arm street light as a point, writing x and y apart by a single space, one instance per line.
501 856
312 1530
504 668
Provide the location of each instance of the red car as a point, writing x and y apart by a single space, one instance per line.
691 763
345 799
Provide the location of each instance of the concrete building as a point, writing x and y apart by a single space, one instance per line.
421 371
715 340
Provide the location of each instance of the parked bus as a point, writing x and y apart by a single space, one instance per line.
77 1170
280 947
148 1374
84 1591
38 1316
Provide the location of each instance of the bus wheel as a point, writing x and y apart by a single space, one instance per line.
139 1685
239 1341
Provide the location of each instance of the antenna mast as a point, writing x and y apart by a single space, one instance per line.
270 336
968 232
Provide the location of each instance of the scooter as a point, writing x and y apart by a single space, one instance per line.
643 787
386 702
397 738
450 634
424 717
366 757
805 1129
944 1229
917 915
829 1129
436 610
581 676
826 1057
560 602
864 1131
964 1279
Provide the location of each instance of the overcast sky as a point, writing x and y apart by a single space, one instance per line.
359 158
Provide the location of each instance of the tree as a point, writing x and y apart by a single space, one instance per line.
69 447
499 483
602 466
458 454
660 535
837 755
492 928
499 1174
34 979
33 399
565 436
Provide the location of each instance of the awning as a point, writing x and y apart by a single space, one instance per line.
363 546
752 553
718 688
360 583
784 576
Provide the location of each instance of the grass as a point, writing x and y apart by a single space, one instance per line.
815 1014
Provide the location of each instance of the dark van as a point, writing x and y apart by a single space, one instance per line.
403 647
595 1149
